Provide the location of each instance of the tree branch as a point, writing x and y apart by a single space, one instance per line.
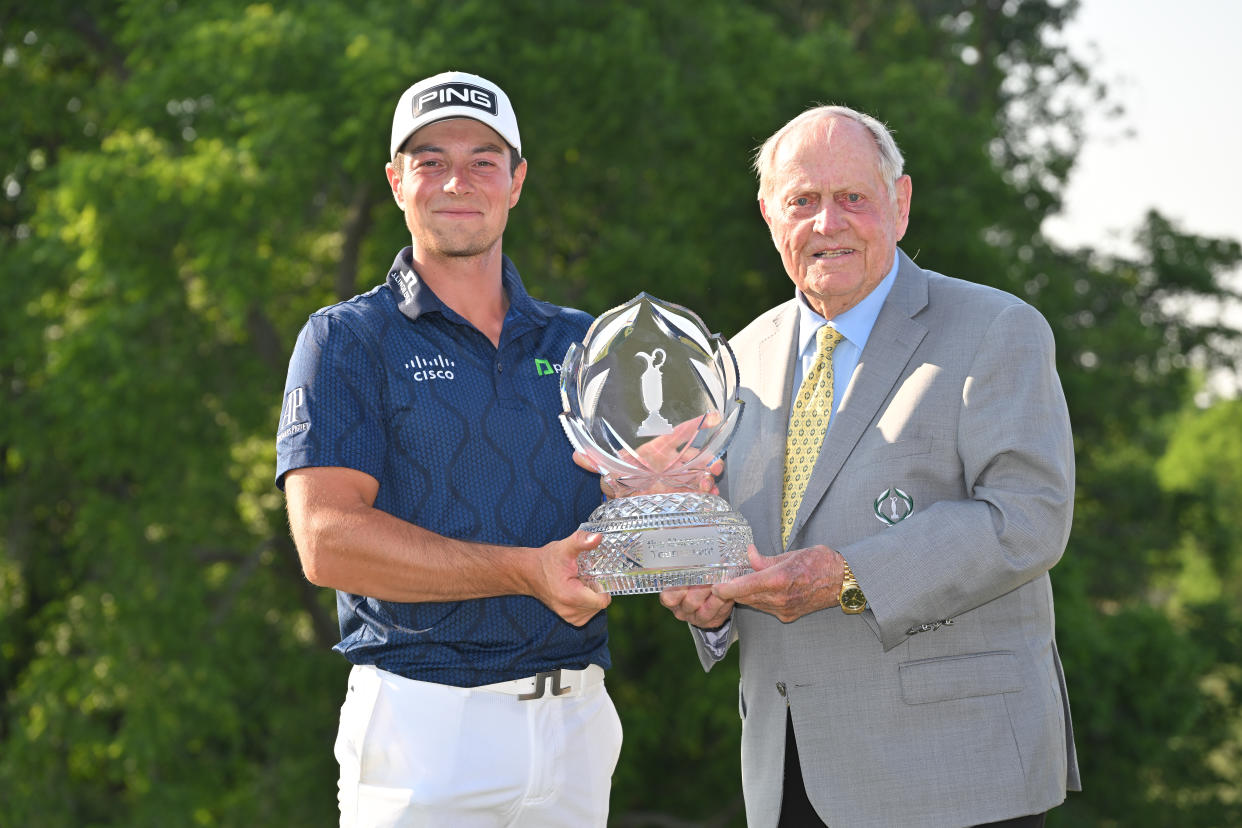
267 343
113 58
357 225
327 633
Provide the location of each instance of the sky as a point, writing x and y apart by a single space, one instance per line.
1176 68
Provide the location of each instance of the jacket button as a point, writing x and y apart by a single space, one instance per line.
780 687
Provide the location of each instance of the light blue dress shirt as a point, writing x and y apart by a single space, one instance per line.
855 326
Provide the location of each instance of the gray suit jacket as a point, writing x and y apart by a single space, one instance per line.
902 719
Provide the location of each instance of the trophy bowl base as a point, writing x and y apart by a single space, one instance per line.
656 541
654 580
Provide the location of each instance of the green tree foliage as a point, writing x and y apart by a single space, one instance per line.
184 182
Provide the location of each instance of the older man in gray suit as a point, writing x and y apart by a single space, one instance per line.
898 659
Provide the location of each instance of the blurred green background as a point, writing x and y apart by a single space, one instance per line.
185 182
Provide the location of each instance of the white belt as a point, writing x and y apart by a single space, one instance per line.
552 683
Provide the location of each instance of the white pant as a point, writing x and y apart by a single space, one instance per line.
415 754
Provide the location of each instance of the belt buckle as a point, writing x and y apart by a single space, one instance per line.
541 680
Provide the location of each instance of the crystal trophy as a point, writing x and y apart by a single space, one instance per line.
651 398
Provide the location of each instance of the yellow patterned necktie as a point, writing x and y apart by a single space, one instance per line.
807 425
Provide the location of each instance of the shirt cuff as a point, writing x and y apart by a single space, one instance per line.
717 640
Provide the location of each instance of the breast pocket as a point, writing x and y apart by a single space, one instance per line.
926 469
912 447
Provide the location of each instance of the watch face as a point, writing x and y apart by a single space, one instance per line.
853 600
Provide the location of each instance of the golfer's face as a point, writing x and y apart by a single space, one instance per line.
456 190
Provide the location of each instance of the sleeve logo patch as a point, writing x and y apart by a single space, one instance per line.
292 420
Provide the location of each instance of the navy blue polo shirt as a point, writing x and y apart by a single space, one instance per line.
464 440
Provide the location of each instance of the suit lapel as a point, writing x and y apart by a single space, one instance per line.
893 341
757 460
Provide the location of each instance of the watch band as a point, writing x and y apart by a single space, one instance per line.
851 599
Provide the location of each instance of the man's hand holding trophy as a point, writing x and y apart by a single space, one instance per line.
650 401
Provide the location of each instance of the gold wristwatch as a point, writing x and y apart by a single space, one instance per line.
852 599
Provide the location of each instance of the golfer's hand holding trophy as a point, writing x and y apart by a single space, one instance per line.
651 399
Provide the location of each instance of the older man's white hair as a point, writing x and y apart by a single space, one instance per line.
891 162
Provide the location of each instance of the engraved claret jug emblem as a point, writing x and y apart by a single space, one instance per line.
652 382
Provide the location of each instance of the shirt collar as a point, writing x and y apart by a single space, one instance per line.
854 324
415 297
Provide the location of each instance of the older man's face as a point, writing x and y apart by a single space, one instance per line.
830 213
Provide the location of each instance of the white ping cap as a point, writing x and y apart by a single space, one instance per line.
454 95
